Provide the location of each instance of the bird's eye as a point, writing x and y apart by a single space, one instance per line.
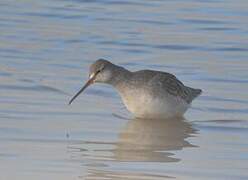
99 70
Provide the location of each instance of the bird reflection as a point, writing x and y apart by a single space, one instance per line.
143 140
152 140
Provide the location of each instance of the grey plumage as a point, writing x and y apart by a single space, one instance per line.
145 86
155 80
158 82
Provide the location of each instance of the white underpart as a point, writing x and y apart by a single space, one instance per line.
142 105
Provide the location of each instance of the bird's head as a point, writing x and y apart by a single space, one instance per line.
101 71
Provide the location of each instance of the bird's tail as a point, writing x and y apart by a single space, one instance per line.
194 92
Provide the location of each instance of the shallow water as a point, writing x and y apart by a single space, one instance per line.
45 50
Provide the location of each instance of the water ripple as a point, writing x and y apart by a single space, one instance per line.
211 98
139 21
219 29
226 110
238 81
231 49
52 15
204 21
33 88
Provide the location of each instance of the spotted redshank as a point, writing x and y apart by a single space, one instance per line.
145 93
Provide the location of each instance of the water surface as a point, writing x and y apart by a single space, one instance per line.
45 50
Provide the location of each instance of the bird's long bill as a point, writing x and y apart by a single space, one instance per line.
89 82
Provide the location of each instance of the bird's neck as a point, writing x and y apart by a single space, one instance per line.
120 76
